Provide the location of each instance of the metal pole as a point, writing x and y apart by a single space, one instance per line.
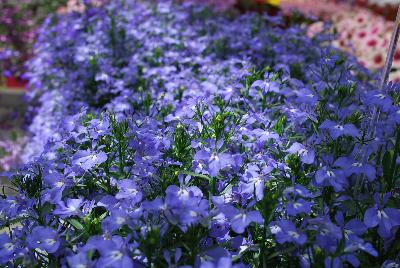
392 49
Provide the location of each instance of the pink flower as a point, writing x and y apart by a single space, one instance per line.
315 29
372 42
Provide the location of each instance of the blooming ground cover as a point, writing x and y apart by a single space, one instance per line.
171 136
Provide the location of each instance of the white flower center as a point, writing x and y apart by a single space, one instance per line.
330 173
215 157
59 184
297 205
357 164
132 191
50 241
382 214
193 213
8 246
324 231
294 234
183 192
119 220
241 216
380 96
116 255
275 229
303 151
339 127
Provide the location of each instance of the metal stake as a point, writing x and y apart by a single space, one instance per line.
392 49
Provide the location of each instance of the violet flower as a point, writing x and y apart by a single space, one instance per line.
88 159
337 130
286 231
43 238
385 218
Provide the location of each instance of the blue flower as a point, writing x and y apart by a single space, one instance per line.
43 238
128 190
266 86
185 205
79 260
241 218
70 208
297 190
286 231
298 206
118 218
380 99
215 161
307 155
337 130
349 166
385 218
306 96
88 159
7 248
252 183
331 177
113 252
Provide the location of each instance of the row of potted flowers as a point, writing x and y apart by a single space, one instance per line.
172 136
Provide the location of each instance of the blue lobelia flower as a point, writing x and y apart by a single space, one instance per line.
7 248
385 218
350 166
297 190
307 155
113 252
337 130
252 182
79 260
215 161
70 208
128 190
240 218
88 159
43 238
218 258
331 177
118 218
380 99
266 86
352 231
298 206
286 231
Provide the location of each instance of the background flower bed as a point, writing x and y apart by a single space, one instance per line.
170 135
18 29
359 31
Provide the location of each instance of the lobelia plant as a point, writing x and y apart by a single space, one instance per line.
169 135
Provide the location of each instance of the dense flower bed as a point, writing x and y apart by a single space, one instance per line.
169 136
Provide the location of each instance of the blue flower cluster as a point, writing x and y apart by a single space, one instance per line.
171 136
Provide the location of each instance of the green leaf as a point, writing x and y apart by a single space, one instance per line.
102 216
386 165
76 224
